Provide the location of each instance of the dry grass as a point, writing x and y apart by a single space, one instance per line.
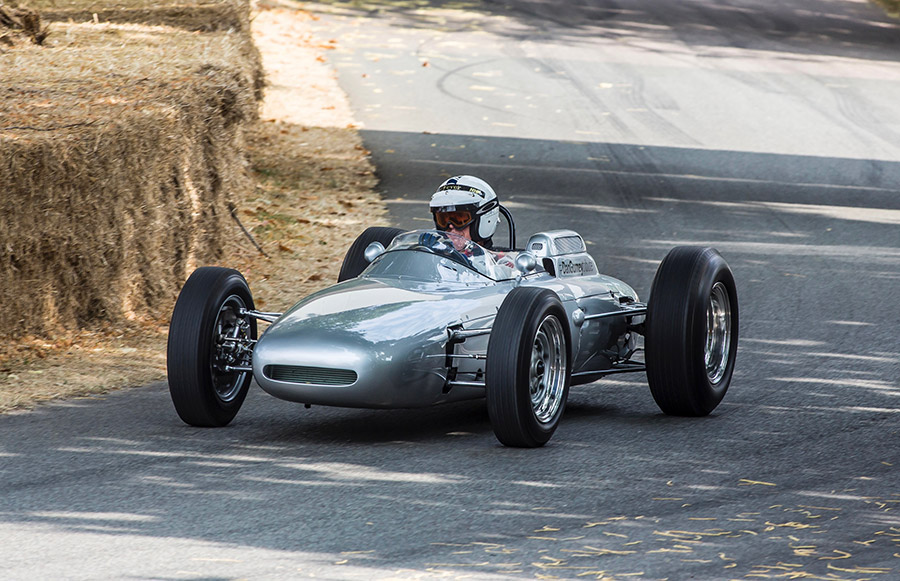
81 363
315 184
890 7
21 23
312 196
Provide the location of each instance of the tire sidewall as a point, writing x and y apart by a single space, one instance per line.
676 331
715 270
190 345
547 304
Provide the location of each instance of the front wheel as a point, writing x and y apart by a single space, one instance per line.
527 372
208 339
691 331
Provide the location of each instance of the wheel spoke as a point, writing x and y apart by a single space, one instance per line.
230 333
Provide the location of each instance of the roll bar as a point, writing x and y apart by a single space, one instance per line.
512 226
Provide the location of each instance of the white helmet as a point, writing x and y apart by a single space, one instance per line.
464 194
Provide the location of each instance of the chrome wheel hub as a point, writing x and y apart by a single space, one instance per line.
230 348
547 374
718 333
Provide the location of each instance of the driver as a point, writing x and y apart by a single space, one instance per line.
468 207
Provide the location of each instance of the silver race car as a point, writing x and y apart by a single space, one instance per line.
426 317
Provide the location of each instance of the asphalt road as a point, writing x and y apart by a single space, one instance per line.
768 130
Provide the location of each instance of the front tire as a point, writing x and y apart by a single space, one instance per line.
205 333
355 260
527 373
691 331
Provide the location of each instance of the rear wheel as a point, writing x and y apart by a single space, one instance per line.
527 372
208 338
355 260
691 331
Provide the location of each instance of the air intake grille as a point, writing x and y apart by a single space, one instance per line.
568 244
310 375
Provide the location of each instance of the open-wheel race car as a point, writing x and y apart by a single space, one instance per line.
425 317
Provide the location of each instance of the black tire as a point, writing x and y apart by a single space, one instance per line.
528 317
204 394
693 287
355 260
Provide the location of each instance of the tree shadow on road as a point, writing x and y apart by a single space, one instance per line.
814 28
265 497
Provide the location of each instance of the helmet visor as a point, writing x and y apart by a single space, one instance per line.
459 219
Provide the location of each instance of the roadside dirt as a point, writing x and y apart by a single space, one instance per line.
314 193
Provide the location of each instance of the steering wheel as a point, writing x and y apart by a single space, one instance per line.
441 246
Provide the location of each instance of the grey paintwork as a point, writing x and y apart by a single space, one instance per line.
394 332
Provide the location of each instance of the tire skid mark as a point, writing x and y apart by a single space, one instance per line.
862 114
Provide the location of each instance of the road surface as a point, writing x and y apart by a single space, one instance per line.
766 129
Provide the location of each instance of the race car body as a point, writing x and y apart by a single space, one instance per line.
403 334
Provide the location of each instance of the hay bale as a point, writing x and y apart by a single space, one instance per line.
120 148
15 19
205 16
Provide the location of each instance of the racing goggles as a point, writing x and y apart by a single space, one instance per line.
458 219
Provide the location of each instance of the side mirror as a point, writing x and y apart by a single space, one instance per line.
373 251
525 263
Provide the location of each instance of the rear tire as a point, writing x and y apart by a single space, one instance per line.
691 331
355 260
207 309
527 373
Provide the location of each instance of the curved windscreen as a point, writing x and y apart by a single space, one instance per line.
438 256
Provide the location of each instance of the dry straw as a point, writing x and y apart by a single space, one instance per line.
196 16
121 146
21 22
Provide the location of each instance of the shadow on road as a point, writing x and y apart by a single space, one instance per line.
370 494
799 30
